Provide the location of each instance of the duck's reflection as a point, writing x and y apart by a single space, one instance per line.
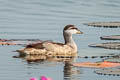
69 70
55 58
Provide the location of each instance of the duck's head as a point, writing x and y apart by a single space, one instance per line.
71 29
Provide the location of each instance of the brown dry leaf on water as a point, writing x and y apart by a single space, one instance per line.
104 64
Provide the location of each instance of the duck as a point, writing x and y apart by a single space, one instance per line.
51 48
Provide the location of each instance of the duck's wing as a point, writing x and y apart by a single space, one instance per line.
38 45
35 45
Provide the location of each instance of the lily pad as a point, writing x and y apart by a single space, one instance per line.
109 71
104 64
104 24
19 40
113 37
108 45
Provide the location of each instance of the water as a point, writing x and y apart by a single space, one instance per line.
45 20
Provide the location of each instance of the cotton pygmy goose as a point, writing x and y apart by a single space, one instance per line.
49 47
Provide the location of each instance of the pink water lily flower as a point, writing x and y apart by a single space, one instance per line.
45 78
33 78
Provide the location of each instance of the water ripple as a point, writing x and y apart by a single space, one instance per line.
45 19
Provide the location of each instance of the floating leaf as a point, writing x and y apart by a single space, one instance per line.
104 24
108 45
109 71
7 43
18 41
104 64
113 37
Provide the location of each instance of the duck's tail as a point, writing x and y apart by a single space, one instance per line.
20 51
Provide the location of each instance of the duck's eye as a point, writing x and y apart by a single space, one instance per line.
74 28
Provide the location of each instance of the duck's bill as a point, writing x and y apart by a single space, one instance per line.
79 32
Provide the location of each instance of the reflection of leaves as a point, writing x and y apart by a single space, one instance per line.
110 71
114 59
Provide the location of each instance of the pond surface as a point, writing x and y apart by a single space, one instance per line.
45 20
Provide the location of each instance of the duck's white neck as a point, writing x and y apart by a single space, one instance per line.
69 41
